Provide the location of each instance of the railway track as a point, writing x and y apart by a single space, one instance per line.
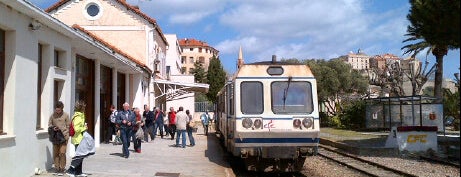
440 161
359 164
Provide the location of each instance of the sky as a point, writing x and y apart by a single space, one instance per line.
302 29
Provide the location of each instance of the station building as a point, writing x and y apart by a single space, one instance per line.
69 52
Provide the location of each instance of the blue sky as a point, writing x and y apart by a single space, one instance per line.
303 29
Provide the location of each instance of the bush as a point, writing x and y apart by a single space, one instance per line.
353 115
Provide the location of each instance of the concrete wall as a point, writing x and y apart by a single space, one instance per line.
24 148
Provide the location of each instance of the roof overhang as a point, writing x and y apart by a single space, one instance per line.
177 90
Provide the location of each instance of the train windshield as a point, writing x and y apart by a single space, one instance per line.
251 95
291 97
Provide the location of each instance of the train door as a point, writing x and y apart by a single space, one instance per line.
230 120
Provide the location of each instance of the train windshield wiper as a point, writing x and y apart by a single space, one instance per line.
285 92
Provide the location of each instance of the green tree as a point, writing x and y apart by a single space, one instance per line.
199 72
216 78
434 26
337 82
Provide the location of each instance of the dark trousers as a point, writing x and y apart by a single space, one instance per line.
205 130
136 143
149 131
125 134
76 164
110 132
167 129
158 126
172 131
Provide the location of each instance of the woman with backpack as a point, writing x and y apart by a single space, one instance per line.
78 127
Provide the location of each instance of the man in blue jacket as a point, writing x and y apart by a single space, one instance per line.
158 121
126 119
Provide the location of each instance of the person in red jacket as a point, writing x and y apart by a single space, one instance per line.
172 122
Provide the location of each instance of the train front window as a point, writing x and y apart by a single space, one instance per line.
291 97
251 95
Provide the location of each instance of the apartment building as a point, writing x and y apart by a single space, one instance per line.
358 61
195 51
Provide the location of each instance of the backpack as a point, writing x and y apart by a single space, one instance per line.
113 116
71 128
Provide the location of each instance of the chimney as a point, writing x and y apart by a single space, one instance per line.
274 59
135 7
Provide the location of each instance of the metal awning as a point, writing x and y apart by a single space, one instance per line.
177 90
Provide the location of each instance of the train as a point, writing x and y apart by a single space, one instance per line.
267 114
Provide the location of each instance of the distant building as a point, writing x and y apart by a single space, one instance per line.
195 51
358 61
380 61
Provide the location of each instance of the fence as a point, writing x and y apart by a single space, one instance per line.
204 106
397 111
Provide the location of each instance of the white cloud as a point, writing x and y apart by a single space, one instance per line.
180 11
314 29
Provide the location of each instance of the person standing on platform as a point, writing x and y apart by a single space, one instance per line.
172 122
149 124
205 118
158 121
79 126
190 128
181 123
59 122
126 120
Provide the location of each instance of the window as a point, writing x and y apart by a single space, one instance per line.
183 70
183 59
230 88
39 87
191 60
191 49
92 10
290 97
200 50
251 94
2 76
57 58
201 59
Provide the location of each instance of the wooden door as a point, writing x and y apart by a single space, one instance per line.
105 98
84 88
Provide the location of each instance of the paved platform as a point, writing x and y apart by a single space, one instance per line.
160 159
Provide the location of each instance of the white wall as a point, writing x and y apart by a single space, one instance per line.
188 99
173 57
21 71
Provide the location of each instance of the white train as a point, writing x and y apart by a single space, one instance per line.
268 115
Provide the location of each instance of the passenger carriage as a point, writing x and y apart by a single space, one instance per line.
267 114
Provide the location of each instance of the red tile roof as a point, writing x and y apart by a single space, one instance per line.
194 43
128 7
110 46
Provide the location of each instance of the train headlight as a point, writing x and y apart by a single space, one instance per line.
308 122
247 123
296 123
258 123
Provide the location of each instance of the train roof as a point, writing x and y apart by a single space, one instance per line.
260 69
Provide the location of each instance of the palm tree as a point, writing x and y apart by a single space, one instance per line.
435 27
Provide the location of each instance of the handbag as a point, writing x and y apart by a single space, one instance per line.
192 124
139 133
